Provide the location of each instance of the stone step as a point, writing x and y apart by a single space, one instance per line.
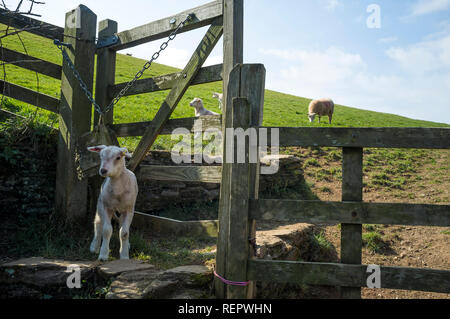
37 277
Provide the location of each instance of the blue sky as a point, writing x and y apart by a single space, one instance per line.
319 48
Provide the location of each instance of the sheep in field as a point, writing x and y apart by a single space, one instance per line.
118 194
218 96
321 107
200 109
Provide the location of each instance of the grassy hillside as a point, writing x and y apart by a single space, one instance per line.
279 110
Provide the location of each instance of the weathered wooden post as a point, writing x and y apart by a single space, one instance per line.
351 234
246 95
75 112
106 72
233 32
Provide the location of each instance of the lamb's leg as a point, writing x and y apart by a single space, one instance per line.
329 118
319 118
95 245
107 232
124 234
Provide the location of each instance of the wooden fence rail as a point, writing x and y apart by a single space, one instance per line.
207 74
350 212
347 275
201 16
31 25
377 137
26 95
205 174
31 63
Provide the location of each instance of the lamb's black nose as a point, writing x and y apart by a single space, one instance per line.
103 171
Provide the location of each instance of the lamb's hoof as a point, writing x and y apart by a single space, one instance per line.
103 257
94 248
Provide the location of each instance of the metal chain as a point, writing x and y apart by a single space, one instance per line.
138 75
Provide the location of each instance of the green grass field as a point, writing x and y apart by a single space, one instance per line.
279 109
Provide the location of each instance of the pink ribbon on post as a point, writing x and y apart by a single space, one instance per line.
231 283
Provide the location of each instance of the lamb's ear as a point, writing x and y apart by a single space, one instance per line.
124 152
96 149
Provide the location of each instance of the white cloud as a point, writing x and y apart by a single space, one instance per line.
332 4
422 7
322 67
423 57
388 40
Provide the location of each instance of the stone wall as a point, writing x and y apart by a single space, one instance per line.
155 195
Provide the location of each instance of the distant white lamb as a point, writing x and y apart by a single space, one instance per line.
200 110
218 96
321 107
118 194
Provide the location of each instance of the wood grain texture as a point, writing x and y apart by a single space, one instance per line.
225 189
26 95
204 174
170 103
202 16
207 74
44 29
233 54
378 137
253 77
75 113
106 70
351 234
31 63
317 212
238 245
348 275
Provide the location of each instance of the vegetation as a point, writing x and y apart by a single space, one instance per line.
279 109
37 231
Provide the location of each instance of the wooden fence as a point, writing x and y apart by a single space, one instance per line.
239 207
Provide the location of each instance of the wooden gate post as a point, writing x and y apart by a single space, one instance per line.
351 234
246 83
105 77
233 32
106 70
238 197
74 112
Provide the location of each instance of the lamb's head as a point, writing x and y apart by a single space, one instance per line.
197 103
217 95
112 159
311 117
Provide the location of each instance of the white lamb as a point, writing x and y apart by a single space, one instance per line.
218 96
200 109
118 195
321 107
